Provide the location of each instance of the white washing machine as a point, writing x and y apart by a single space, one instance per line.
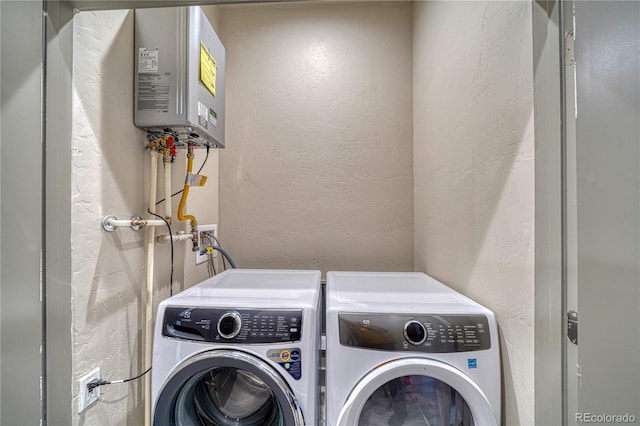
404 349
241 348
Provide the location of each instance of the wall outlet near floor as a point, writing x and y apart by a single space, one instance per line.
203 241
86 397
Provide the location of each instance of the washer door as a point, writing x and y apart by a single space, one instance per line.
223 387
416 391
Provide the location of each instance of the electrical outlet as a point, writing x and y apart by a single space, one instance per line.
202 255
86 397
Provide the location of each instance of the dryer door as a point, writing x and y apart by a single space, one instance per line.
416 391
225 387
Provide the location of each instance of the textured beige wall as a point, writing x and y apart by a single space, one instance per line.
474 169
111 176
108 176
317 172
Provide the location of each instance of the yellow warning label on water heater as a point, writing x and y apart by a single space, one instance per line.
208 68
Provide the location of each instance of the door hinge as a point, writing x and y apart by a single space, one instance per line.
569 49
572 326
579 374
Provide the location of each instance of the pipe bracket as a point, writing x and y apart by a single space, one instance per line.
106 223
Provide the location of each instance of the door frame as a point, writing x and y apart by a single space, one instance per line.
550 250
549 316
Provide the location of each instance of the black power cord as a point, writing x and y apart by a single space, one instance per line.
95 383
171 241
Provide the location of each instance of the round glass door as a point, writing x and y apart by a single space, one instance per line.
416 391
226 388
227 396
415 400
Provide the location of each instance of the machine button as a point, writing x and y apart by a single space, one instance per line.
229 325
415 333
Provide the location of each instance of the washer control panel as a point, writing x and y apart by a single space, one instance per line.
419 333
232 325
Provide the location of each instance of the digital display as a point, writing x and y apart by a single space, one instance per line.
422 333
257 326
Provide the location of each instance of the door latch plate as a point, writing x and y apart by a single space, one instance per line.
572 326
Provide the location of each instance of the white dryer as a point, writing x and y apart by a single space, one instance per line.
241 348
404 349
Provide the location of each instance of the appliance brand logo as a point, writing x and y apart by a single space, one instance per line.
285 355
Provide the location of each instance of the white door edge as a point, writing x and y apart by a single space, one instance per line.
472 394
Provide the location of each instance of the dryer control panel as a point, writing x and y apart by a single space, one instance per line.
223 325
418 333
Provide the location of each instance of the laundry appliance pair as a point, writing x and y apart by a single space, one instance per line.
243 348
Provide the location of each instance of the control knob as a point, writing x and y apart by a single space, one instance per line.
415 333
229 325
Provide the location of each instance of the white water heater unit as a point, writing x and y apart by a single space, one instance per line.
179 81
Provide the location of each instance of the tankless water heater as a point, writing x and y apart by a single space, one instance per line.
179 81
